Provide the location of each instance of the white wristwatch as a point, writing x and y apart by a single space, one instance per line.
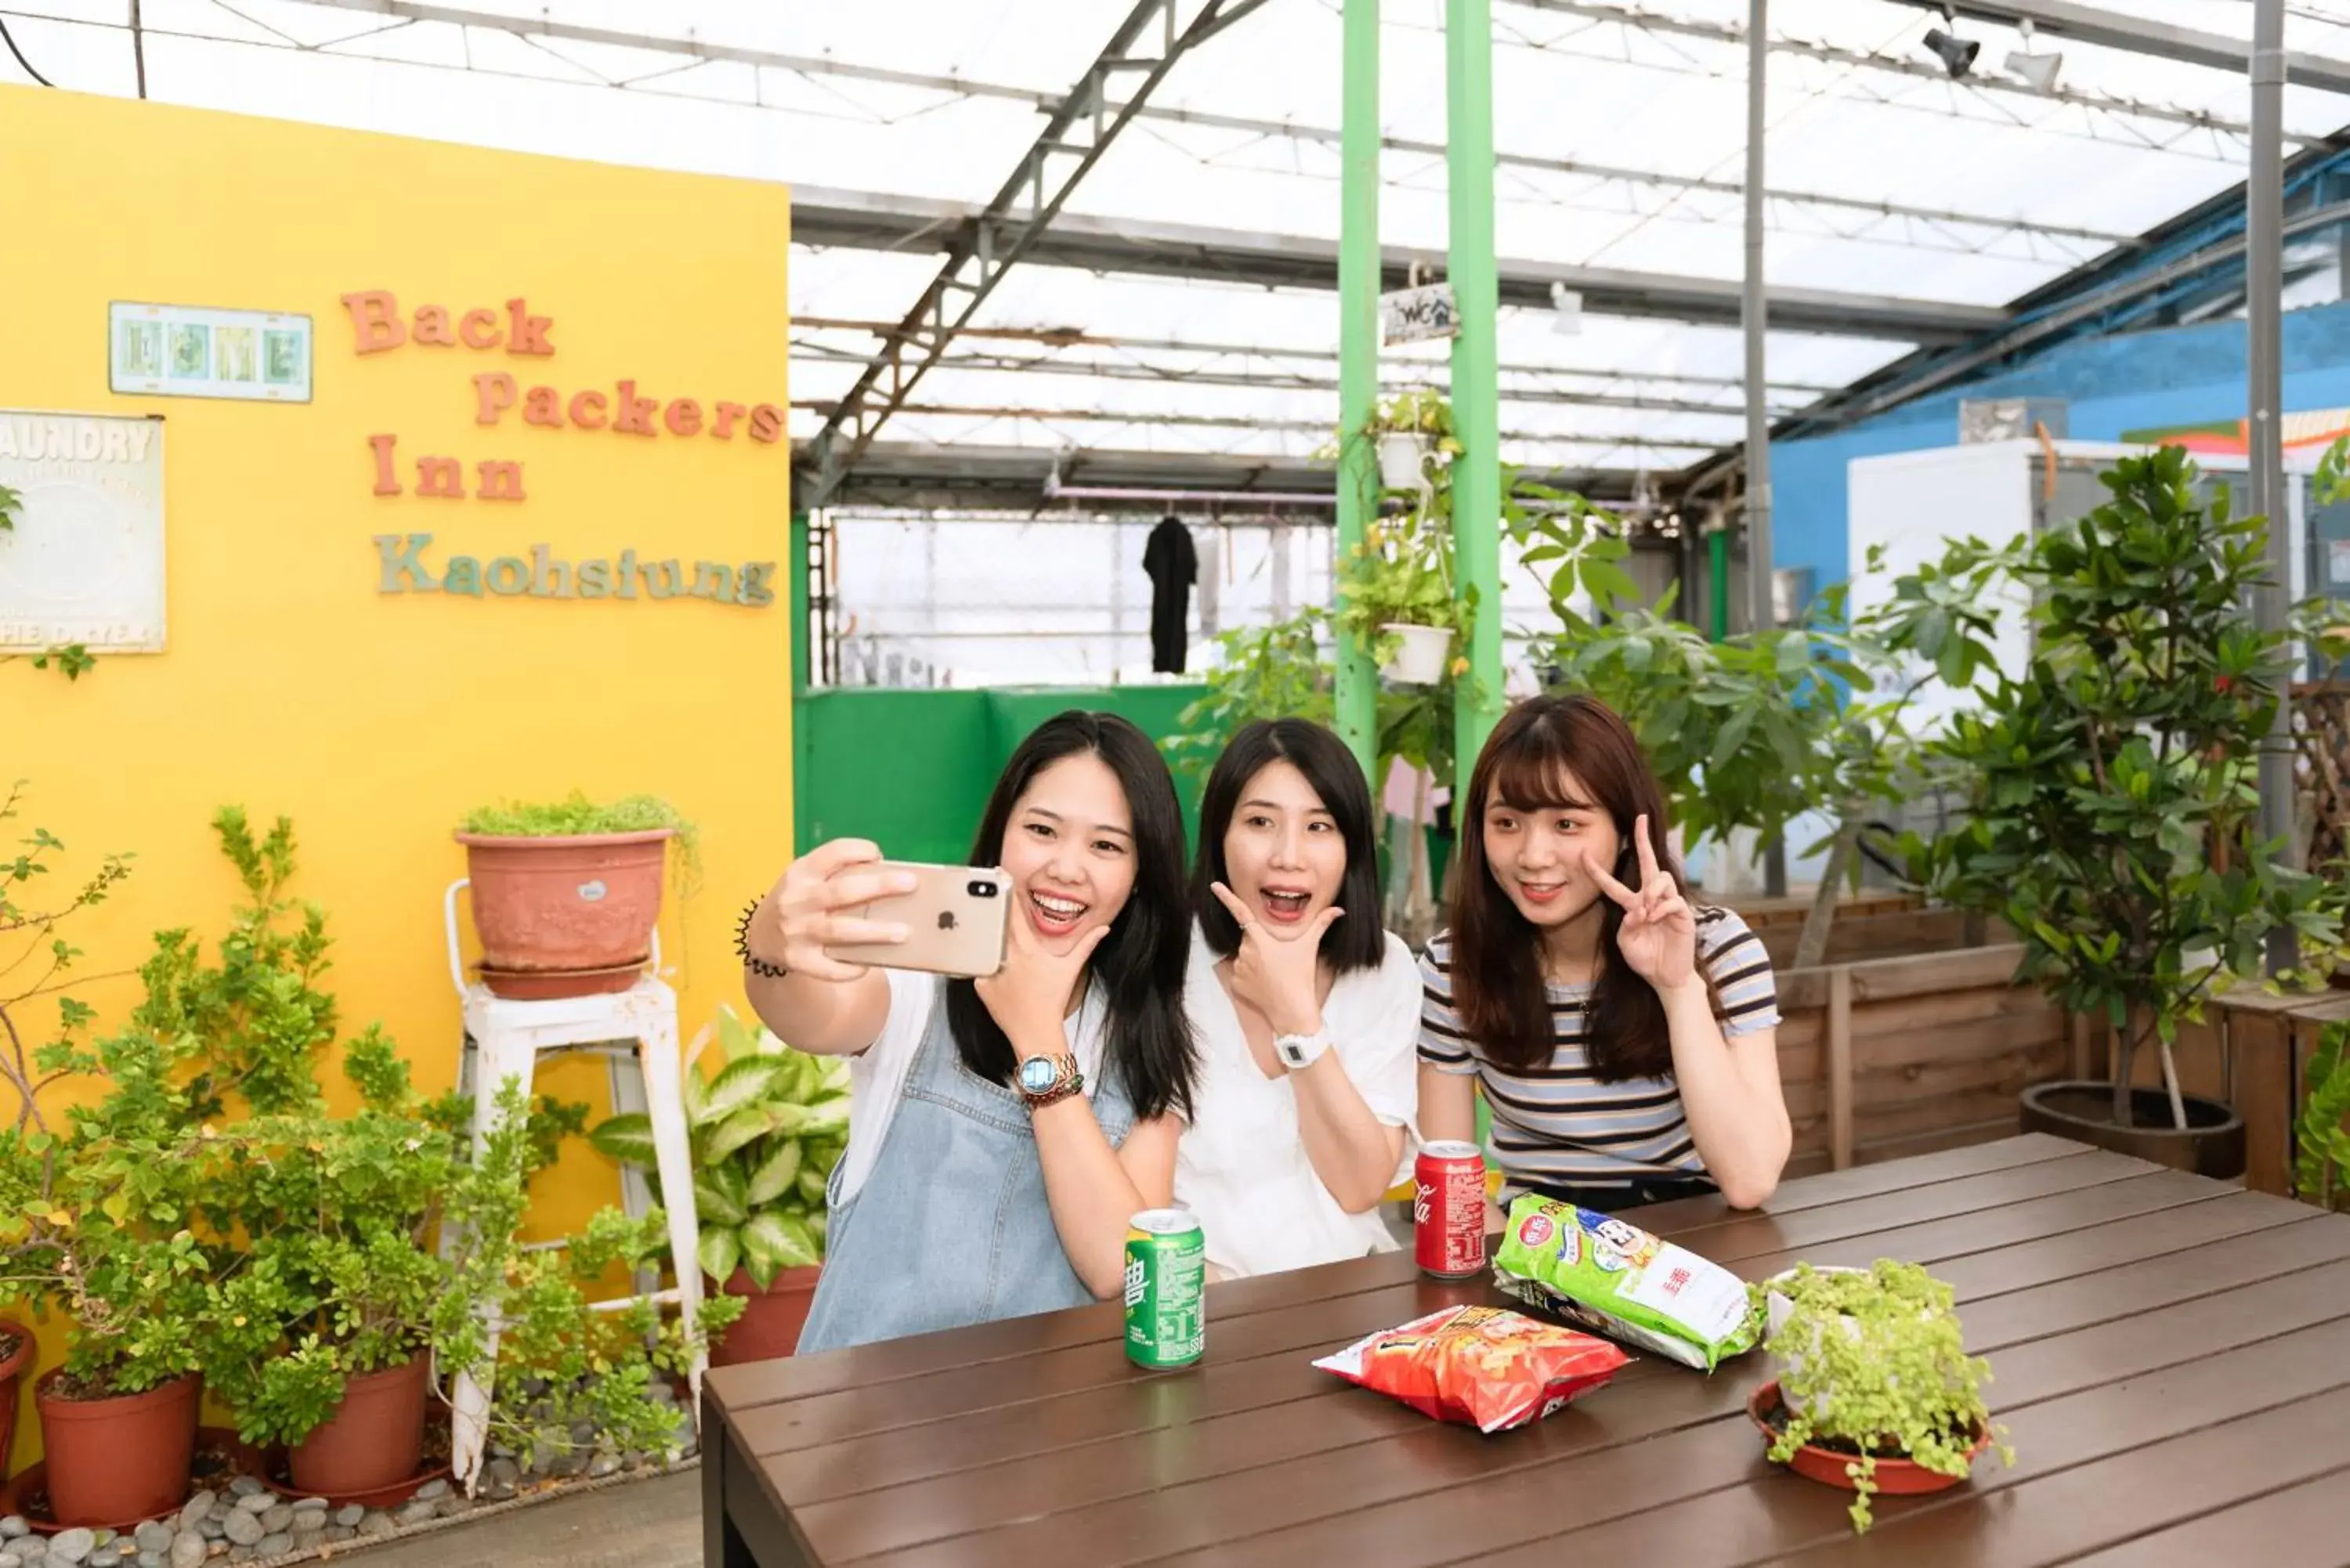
1301 1050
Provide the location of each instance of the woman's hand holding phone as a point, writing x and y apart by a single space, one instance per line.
807 906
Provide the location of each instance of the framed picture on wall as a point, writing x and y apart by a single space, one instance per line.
189 351
84 562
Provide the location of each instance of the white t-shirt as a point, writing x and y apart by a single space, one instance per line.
1242 1166
876 1075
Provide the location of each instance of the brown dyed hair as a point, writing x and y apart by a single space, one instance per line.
1497 976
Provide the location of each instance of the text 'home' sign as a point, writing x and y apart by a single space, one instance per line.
505 399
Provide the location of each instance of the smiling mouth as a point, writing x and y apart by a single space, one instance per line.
1286 907
1054 915
1541 892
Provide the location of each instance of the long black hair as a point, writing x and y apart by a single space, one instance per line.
1497 973
1140 964
1357 940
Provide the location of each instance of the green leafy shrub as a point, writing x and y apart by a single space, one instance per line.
765 1134
2321 1133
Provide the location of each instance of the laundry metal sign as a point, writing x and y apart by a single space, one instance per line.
1419 315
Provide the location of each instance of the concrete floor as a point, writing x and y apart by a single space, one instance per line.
644 1524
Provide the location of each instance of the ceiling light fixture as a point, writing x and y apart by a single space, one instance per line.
2038 71
1957 53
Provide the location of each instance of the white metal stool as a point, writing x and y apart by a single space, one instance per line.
636 1031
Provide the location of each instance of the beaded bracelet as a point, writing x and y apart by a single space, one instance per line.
752 961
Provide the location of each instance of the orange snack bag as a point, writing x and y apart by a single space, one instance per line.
1485 1366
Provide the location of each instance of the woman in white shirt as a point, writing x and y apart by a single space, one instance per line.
1306 1011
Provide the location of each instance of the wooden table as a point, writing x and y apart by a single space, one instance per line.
2171 1360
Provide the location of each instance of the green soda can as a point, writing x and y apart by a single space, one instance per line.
1166 1288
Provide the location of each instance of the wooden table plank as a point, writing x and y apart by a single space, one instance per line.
1708 1499
926 1354
1759 1233
2149 1330
920 1356
836 1416
2098 1505
1450 1468
1225 1385
2034 1220
2303 1526
1685 1215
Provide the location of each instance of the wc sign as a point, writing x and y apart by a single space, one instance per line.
1418 314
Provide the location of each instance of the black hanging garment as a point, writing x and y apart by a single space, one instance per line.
1173 566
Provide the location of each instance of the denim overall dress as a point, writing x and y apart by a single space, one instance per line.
951 1226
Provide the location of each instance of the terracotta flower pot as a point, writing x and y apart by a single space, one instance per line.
374 1439
548 907
15 1355
115 1461
1895 1477
771 1319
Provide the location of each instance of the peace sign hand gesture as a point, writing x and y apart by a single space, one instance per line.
1659 937
1279 975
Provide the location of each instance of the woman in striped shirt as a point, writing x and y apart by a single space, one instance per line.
1626 1041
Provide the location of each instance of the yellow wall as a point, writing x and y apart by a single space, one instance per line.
290 683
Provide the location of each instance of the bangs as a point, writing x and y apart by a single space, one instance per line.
1532 774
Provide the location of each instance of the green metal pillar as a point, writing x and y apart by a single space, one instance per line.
795 604
1476 376
1717 581
1359 356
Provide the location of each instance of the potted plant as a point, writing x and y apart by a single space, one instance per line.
2112 791
1412 428
1876 1392
1397 595
579 1383
95 1229
322 1344
767 1133
565 896
126 1221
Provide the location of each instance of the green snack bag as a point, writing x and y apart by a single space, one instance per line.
1612 1278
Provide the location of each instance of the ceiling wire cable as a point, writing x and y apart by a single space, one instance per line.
21 60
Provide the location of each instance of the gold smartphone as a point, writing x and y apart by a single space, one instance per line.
955 919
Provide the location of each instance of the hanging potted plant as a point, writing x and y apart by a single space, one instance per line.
1876 1392
1397 595
1412 430
565 896
764 1136
2113 795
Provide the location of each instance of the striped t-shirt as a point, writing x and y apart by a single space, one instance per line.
1560 1125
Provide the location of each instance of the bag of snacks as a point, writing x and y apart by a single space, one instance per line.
1485 1366
1614 1278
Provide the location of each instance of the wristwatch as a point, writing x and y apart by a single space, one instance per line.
1048 1080
1301 1050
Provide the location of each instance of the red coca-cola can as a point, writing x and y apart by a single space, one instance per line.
1448 1210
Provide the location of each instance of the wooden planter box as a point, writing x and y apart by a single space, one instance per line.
1882 1058
2251 1051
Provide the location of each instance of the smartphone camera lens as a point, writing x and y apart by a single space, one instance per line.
982 890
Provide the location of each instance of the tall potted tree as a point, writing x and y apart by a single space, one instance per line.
2113 795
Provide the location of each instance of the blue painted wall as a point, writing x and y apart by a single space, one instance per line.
2171 376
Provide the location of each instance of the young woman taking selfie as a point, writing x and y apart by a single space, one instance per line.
1627 1040
1307 1012
1006 1129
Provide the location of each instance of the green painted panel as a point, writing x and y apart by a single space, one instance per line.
911 770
